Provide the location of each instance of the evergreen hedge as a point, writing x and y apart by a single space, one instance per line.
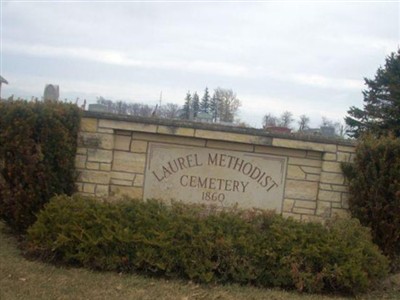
247 247
374 185
38 142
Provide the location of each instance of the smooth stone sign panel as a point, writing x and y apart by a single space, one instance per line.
218 177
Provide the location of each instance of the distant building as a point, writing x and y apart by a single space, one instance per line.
204 117
311 131
98 107
2 80
328 131
325 131
51 92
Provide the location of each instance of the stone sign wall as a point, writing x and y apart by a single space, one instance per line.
207 163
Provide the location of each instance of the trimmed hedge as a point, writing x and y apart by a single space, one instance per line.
38 143
247 247
374 185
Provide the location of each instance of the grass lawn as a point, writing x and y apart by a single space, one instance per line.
23 279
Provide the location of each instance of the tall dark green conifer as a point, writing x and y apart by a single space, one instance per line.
213 110
205 101
195 104
187 107
381 112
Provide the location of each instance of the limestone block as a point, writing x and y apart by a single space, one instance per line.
122 142
295 172
139 180
345 202
88 124
312 177
333 167
304 162
310 218
341 213
138 146
123 132
296 189
121 182
80 161
105 167
130 126
79 186
324 186
91 176
306 204
97 155
105 130
89 188
329 196
324 209
92 165
339 188
175 130
96 140
305 211
233 137
230 146
329 156
291 215
131 192
287 143
343 157
314 155
346 149
334 178
81 150
288 205
345 197
129 162
280 151
102 190
122 175
336 205
168 139
311 170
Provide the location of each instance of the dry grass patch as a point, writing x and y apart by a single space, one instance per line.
23 279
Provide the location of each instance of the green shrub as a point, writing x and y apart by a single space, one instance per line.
248 247
37 152
374 184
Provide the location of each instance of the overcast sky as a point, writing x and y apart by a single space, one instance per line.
307 57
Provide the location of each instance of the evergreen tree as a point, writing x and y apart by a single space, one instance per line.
381 112
186 111
205 101
213 109
195 104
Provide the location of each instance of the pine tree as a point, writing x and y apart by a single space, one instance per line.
195 104
205 101
187 107
213 109
381 112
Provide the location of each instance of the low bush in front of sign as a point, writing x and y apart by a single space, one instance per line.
205 245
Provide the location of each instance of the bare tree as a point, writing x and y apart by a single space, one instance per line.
286 119
169 111
228 104
303 122
269 120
